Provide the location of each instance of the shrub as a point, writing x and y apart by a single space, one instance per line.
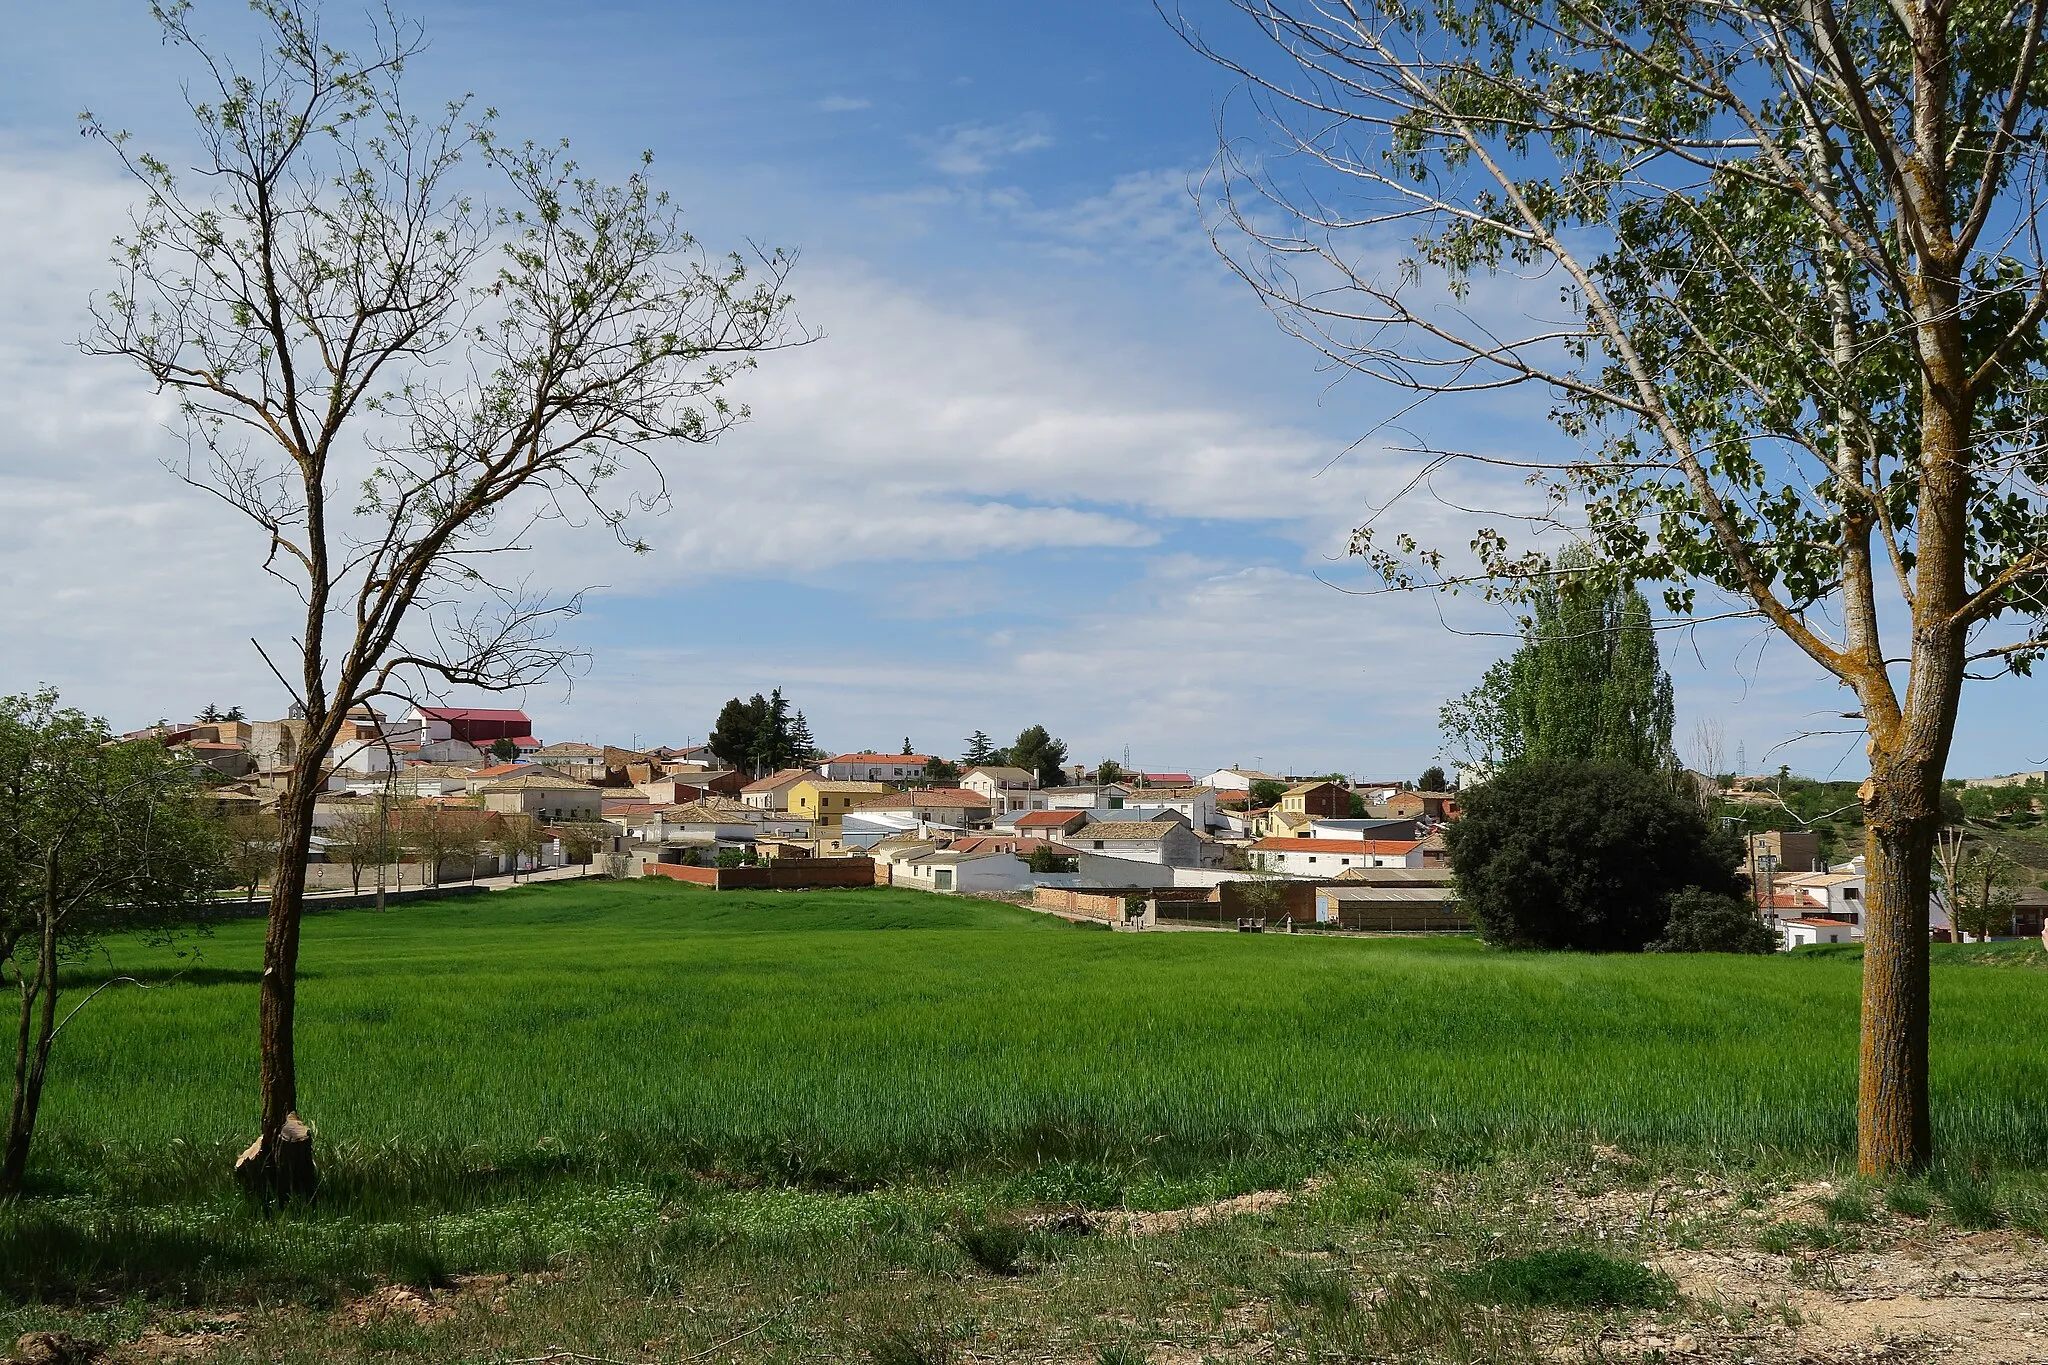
1704 922
1583 855
1566 1279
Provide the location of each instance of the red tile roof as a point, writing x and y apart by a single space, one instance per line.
471 713
1049 817
1825 923
916 760
1285 844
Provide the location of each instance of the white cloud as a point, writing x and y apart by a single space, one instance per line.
842 104
976 148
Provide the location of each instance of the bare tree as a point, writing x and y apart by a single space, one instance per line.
518 839
362 838
1779 269
400 342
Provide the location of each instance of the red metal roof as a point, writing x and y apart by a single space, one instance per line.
916 760
1284 844
470 713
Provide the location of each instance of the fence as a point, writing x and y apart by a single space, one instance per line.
782 874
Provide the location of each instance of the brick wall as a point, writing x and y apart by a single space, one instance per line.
783 874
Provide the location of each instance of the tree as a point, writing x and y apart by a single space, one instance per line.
95 836
939 773
1583 855
1266 792
361 837
581 839
981 751
1038 752
1586 683
906 745
249 844
1043 859
504 750
518 841
393 365
1705 922
428 829
757 735
1109 770
803 749
1982 886
1432 780
1796 346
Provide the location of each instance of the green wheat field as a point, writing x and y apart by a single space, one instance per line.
575 1073
864 1034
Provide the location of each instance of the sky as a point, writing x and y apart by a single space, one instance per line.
1046 461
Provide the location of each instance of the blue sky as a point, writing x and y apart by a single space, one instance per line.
1049 462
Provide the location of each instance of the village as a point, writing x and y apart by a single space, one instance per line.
438 794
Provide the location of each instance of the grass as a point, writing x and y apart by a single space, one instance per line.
653 1078
842 1038
1567 1278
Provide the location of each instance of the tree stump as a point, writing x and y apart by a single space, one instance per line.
284 1174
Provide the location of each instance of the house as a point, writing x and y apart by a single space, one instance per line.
480 726
479 778
772 792
1166 779
952 872
229 760
1331 857
1363 829
824 801
943 805
671 791
1319 796
1107 796
1423 805
874 768
1783 850
1023 847
1051 824
699 822
547 796
1005 789
1276 823
1165 839
1197 805
584 761
1804 933
1238 781
1825 895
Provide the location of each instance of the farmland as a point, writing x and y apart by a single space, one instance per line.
663 1084
865 1035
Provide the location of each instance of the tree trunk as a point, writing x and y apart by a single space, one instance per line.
283 1171
31 1060
1892 1125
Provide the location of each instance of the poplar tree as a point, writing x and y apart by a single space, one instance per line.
1778 268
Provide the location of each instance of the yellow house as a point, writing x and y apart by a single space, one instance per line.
825 803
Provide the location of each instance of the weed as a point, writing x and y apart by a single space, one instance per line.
1121 1353
1969 1202
1850 1205
996 1247
1417 1319
1317 1289
1568 1278
394 1333
903 1346
1908 1201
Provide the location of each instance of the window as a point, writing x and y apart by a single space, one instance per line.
1311 857
1098 843
1849 894
1116 803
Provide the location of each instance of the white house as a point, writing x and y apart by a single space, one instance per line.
1804 933
1164 839
1236 781
1108 796
1818 895
1005 789
951 872
874 768
1322 828
1332 857
1196 805
584 761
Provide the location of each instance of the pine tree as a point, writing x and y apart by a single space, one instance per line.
981 750
803 749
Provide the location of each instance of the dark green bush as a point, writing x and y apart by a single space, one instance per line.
1705 922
